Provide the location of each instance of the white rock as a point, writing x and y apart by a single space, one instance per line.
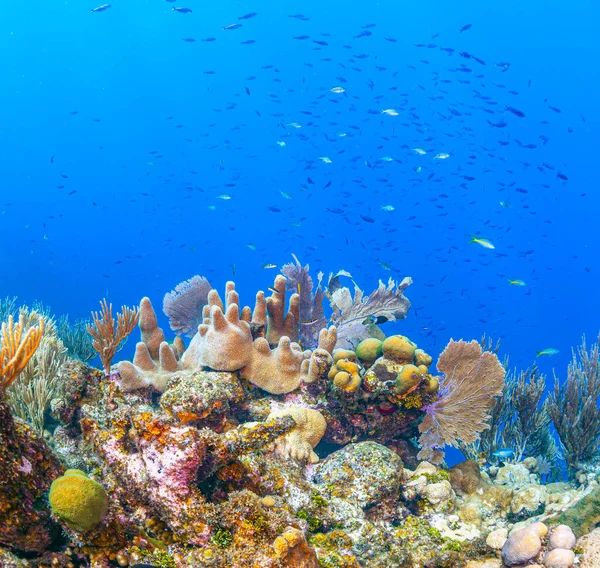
424 467
497 538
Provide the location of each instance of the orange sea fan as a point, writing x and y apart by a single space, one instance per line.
16 349
472 379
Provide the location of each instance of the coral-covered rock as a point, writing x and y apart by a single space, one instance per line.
294 551
496 539
583 516
465 477
589 547
528 501
27 467
366 472
73 380
514 475
201 395
439 495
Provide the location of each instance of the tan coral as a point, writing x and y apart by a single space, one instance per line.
293 549
155 360
280 324
277 371
223 344
300 441
145 372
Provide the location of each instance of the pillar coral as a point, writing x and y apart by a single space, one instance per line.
225 342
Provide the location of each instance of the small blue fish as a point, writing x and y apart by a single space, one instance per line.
182 10
101 8
504 453
248 16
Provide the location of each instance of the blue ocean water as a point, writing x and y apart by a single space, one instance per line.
121 137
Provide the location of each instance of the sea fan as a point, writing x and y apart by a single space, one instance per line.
299 280
350 312
472 378
312 313
183 306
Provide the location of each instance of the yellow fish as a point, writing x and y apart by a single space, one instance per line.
516 282
483 242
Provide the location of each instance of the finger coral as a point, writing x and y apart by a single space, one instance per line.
224 342
471 380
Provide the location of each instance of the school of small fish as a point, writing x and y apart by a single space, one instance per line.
339 150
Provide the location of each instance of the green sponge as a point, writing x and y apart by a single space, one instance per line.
78 500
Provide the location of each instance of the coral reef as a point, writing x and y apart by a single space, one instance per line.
247 450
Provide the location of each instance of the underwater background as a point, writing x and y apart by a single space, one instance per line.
140 145
428 168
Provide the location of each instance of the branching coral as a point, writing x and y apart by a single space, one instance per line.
17 347
574 407
519 420
109 334
30 395
471 380
76 339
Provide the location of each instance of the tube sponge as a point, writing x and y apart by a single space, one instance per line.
78 501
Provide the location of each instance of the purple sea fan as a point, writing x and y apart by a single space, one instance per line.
472 379
183 306
312 313
299 281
